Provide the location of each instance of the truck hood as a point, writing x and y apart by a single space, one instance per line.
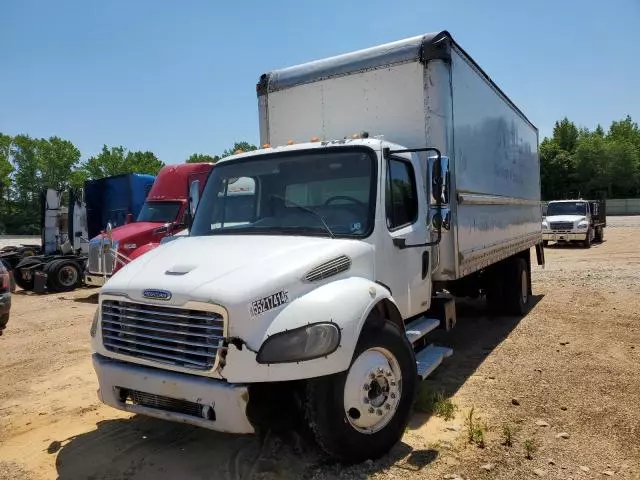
565 218
126 232
235 270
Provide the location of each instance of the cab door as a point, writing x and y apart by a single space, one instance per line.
404 269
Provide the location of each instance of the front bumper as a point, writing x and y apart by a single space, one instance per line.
96 280
203 402
564 236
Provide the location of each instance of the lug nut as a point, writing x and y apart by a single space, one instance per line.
371 410
387 406
380 370
393 395
372 375
365 399
393 384
379 412
388 373
366 387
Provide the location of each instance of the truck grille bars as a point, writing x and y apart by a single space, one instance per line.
182 337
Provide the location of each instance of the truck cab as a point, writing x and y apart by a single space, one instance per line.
162 215
315 268
569 221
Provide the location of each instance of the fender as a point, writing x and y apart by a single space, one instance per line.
346 302
141 250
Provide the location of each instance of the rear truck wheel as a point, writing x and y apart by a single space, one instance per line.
516 284
599 236
62 275
362 413
587 241
25 280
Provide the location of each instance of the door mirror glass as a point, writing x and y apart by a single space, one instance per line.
194 196
438 179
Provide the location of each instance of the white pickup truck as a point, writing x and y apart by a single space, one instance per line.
320 297
579 220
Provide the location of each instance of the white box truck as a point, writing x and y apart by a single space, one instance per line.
326 286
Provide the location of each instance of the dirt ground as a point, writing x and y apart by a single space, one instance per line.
564 381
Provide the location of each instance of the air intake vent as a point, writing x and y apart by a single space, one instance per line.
329 269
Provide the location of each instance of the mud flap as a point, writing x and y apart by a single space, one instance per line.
540 254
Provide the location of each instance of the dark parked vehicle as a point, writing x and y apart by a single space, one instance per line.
5 297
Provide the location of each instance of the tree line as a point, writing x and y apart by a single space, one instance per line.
30 165
575 161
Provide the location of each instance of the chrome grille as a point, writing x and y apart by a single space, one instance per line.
561 225
97 262
329 269
182 337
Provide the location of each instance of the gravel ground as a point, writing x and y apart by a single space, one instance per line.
563 380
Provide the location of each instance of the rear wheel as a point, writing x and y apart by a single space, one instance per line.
24 273
62 275
507 289
362 413
599 236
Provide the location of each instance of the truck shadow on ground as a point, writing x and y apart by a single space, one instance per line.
573 245
146 448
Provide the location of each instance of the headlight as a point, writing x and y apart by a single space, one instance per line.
94 324
545 226
583 225
130 246
304 343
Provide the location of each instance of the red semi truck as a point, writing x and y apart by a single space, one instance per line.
163 214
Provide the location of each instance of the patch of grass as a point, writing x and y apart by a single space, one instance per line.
529 448
475 432
508 432
435 403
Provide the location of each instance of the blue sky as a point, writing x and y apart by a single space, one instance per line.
179 77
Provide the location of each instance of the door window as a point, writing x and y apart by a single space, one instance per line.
401 195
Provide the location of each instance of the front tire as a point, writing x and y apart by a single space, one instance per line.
362 413
587 241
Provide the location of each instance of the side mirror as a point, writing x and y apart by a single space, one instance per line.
438 179
128 219
194 196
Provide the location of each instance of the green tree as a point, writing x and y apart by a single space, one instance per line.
243 146
118 161
5 163
202 158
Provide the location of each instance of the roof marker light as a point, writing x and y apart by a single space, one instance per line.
266 145
238 151
315 139
290 142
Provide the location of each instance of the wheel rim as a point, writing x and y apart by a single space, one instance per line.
524 286
372 390
67 276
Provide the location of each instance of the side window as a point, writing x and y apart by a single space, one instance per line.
401 194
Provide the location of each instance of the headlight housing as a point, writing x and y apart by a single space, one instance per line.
582 225
545 226
304 343
94 324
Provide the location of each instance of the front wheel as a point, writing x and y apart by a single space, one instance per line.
362 413
587 240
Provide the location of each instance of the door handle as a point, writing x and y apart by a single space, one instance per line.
425 264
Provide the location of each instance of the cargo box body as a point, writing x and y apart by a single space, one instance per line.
418 92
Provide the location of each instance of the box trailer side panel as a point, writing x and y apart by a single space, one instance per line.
496 171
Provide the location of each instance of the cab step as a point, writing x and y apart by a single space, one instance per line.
420 327
430 358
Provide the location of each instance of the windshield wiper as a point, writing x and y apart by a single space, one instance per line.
308 210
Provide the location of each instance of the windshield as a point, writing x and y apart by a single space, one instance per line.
566 208
161 212
327 192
